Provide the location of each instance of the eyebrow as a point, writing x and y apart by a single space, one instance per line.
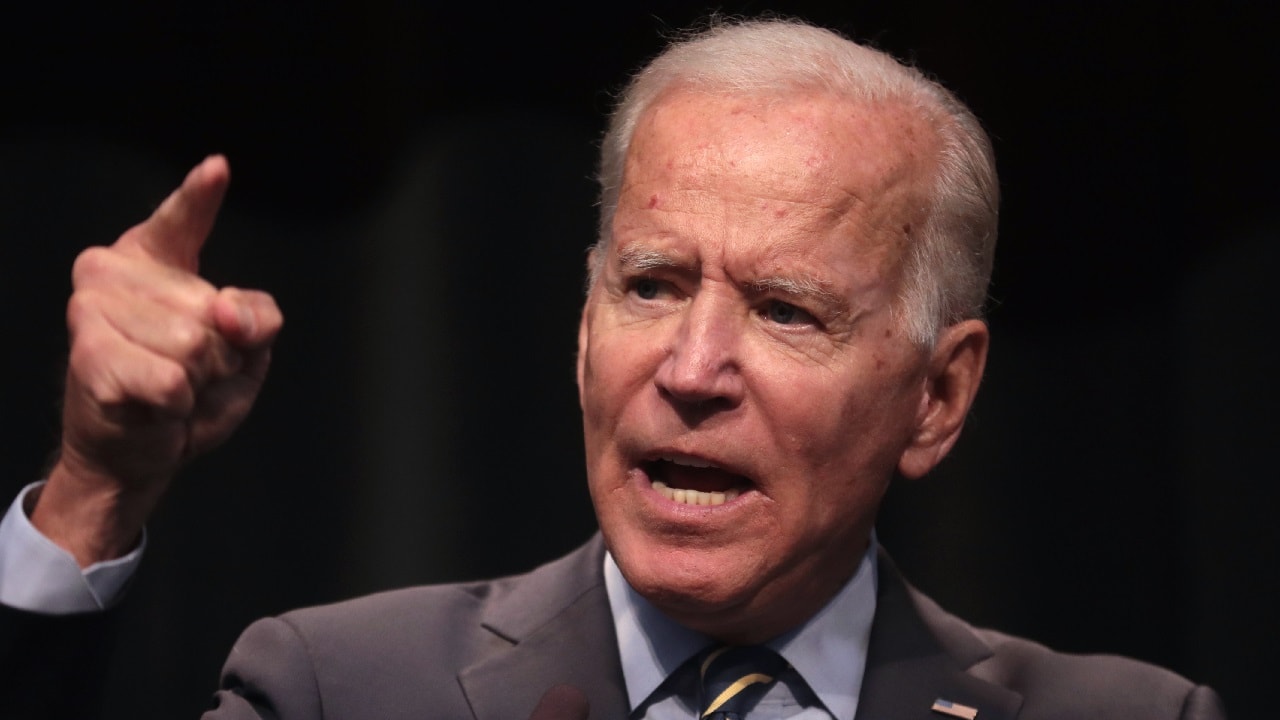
636 259
642 259
805 286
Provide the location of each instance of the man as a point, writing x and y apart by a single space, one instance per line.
784 312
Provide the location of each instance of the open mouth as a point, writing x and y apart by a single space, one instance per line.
693 481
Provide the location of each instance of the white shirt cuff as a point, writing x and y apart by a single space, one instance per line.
38 576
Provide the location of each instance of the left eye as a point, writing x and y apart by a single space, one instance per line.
786 313
646 288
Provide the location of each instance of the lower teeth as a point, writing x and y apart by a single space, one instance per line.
694 497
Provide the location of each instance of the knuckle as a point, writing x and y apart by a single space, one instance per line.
189 338
90 264
96 381
199 299
104 393
80 306
171 385
88 350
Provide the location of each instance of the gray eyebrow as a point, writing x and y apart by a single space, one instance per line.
645 259
805 286
801 286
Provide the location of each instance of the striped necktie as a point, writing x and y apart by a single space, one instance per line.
734 678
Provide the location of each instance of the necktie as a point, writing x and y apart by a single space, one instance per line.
734 678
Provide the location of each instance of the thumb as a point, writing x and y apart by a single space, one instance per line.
176 231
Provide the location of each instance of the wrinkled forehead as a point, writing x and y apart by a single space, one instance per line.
869 164
807 144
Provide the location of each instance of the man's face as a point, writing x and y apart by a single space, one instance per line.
746 390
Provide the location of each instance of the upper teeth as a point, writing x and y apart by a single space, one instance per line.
688 461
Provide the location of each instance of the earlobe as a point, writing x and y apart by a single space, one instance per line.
955 371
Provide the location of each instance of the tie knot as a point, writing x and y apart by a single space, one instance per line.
735 677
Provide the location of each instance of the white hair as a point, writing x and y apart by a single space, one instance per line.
948 267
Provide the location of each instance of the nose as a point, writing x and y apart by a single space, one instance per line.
702 364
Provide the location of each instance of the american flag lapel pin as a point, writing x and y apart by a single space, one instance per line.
954 709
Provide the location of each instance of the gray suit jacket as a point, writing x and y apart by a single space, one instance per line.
489 650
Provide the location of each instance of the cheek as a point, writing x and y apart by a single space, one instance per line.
841 428
812 413
841 458
594 399
615 371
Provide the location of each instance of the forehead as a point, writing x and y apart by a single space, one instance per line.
807 143
793 169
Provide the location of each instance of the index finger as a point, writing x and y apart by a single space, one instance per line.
176 231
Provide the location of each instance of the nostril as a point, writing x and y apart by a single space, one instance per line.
692 394
693 411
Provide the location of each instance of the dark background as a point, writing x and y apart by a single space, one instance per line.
414 186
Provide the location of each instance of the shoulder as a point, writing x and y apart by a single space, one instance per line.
386 616
458 609
359 657
1056 685
1066 685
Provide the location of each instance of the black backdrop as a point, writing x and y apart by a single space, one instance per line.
414 186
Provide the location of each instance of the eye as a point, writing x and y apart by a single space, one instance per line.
646 288
784 313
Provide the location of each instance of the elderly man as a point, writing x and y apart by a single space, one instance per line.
784 312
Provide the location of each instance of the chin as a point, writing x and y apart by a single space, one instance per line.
687 582
706 602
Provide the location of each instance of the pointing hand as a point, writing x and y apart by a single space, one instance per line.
163 367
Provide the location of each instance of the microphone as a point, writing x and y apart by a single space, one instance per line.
561 702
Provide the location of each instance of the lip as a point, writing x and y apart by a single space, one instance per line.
660 507
696 459
685 459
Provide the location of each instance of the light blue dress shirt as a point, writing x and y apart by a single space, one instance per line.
828 654
38 576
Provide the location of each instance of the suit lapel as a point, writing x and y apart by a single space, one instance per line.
918 654
557 629
553 626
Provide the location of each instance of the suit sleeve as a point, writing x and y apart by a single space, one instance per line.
269 675
52 667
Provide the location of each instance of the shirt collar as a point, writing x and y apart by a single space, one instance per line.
829 651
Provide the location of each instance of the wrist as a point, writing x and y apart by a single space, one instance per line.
92 518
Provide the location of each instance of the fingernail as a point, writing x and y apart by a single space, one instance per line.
248 324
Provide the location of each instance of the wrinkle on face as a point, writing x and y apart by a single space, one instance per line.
808 193
729 206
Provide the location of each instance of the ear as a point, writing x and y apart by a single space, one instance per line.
954 372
